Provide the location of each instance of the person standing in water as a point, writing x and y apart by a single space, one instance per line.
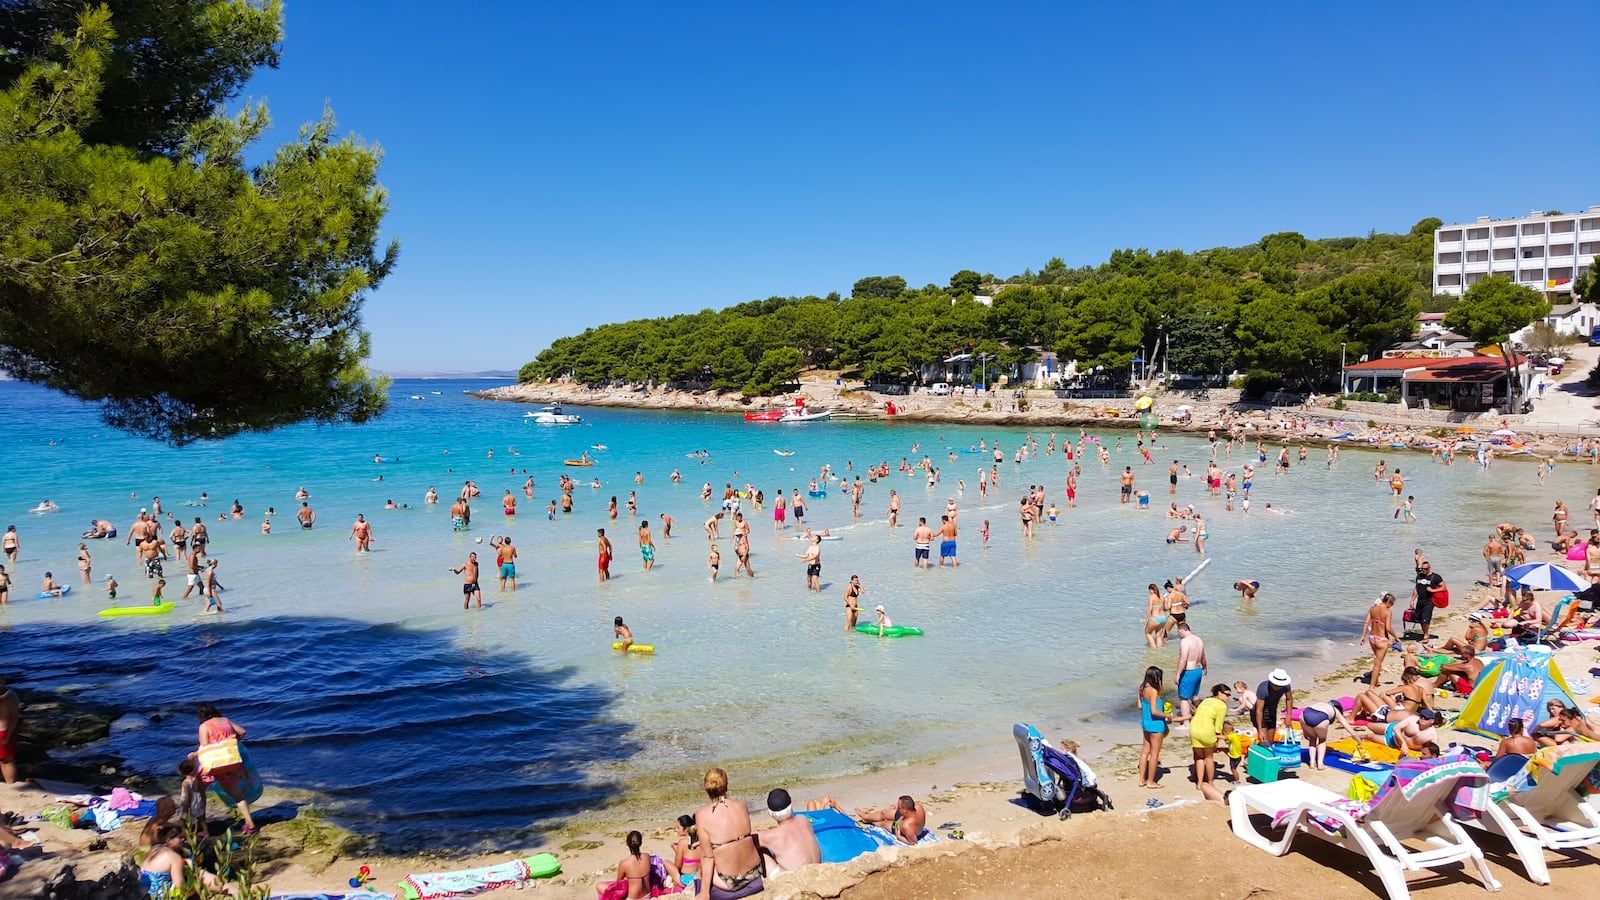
469 581
813 560
603 552
852 605
947 541
361 532
647 547
506 559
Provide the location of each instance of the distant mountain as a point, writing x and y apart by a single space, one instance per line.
486 373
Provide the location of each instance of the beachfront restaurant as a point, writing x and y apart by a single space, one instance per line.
1471 383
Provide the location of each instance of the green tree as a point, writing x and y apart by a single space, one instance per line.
965 283
1282 334
879 286
168 68
1372 310
1587 286
1489 312
191 295
777 367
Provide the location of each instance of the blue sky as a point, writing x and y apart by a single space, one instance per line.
558 165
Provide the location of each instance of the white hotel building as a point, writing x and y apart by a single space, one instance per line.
1543 252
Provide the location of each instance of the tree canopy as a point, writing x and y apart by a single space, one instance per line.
143 264
1285 303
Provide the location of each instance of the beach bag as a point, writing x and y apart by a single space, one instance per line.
219 755
1405 615
1441 598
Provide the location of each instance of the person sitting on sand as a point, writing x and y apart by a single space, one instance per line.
1393 704
1516 741
163 871
622 633
1475 638
1570 727
636 877
791 843
905 819
732 866
687 865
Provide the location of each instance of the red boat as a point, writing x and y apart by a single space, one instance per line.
770 415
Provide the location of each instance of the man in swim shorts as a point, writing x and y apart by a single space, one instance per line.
647 547
506 559
603 549
812 557
921 539
306 515
905 819
947 542
469 581
1191 668
1127 483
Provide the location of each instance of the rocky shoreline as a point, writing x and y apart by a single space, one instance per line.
1308 424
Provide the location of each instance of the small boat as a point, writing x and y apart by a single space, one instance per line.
579 462
552 415
784 452
437 393
766 415
598 447
798 415
416 396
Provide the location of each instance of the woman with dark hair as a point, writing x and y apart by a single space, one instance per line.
1153 723
222 763
688 842
633 871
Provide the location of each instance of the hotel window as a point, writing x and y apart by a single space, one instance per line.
1505 231
1477 256
1448 237
1564 226
1532 228
1477 234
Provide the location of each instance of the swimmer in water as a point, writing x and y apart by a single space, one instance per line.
622 633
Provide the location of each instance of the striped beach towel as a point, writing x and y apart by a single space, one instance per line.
465 883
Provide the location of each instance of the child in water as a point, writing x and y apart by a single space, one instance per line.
111 586
985 532
155 597
622 633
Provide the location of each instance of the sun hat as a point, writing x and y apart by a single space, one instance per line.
1278 678
1427 713
880 608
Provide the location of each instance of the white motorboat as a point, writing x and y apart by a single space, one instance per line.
552 415
798 414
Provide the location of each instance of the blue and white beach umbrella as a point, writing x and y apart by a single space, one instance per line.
1547 577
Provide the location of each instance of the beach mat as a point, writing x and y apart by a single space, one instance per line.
1346 763
465 883
842 838
1376 752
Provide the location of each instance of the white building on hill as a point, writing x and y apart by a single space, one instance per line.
1543 252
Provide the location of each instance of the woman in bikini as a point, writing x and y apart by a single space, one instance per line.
1378 633
688 842
633 871
1155 618
1395 704
731 867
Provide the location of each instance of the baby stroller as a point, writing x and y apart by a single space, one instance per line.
1055 780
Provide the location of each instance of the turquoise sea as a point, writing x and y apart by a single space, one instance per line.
361 678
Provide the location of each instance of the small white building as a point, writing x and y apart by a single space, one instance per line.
1576 319
1542 252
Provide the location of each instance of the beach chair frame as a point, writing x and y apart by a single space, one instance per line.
1547 816
1379 834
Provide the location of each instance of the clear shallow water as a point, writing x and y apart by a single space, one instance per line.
361 677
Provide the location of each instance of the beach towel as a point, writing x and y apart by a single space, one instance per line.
1373 750
471 881
889 839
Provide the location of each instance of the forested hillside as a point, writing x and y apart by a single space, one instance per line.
1283 304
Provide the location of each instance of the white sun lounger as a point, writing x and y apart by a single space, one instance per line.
1549 815
1380 832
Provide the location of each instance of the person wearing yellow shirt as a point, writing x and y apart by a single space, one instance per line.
1205 730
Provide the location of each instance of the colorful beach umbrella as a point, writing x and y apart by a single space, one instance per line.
1547 577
